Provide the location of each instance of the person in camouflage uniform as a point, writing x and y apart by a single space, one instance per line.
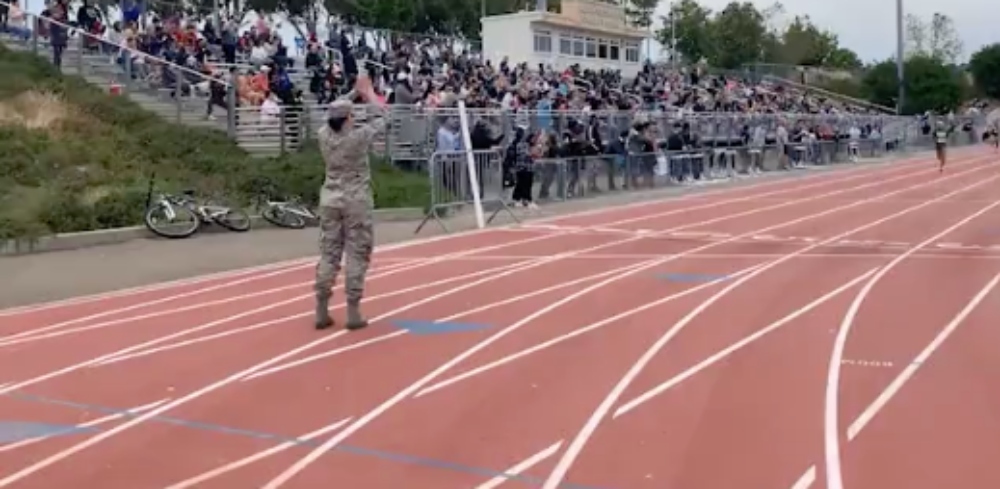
346 203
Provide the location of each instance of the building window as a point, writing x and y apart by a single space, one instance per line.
632 53
578 46
602 49
543 42
614 52
565 45
591 47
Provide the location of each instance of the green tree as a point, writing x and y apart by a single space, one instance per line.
929 84
738 34
640 12
945 44
843 58
985 68
936 38
692 28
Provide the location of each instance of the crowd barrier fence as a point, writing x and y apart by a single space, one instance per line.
451 185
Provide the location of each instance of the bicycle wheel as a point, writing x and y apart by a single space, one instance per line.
234 220
183 224
281 217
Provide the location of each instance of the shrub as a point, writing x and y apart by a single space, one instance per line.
85 158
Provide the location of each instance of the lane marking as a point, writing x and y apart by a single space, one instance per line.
835 176
156 349
806 480
38 333
402 395
468 312
578 252
831 398
867 363
243 462
88 424
6 341
639 218
393 457
576 332
277 359
930 254
521 467
743 343
886 395
586 432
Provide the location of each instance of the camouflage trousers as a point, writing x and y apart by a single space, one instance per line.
346 230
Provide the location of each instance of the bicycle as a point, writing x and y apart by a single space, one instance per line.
290 214
174 207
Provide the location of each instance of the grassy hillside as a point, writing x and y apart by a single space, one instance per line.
73 158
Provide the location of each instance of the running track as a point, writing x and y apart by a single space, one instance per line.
683 343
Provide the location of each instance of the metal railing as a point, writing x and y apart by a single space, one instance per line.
451 185
175 92
412 131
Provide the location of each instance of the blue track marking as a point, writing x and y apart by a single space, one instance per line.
433 327
15 431
278 438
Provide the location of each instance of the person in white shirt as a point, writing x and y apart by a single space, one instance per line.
270 114
17 22
853 143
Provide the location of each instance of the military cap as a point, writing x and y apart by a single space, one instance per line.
340 109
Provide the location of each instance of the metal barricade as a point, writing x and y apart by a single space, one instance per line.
451 185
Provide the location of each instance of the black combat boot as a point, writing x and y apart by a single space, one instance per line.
354 318
323 319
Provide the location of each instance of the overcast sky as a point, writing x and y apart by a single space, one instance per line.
868 27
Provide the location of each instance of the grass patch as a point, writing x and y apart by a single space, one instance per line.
73 158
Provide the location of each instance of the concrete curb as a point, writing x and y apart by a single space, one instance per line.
102 237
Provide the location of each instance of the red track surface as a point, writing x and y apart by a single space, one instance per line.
595 370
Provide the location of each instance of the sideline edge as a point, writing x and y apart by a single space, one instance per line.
646 199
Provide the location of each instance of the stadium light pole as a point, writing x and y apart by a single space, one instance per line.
899 56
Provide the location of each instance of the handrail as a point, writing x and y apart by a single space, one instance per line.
828 93
36 19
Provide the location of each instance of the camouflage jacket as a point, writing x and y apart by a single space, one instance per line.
345 156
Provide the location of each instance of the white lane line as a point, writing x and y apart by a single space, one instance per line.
841 175
94 440
291 353
729 350
32 334
402 395
243 462
521 467
587 430
869 413
453 317
886 395
576 332
806 480
88 424
867 363
579 252
127 292
222 334
390 271
831 398
145 304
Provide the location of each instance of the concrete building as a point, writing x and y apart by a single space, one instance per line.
591 33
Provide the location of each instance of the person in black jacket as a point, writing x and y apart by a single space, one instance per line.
519 159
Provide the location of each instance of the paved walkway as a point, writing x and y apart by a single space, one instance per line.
43 277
